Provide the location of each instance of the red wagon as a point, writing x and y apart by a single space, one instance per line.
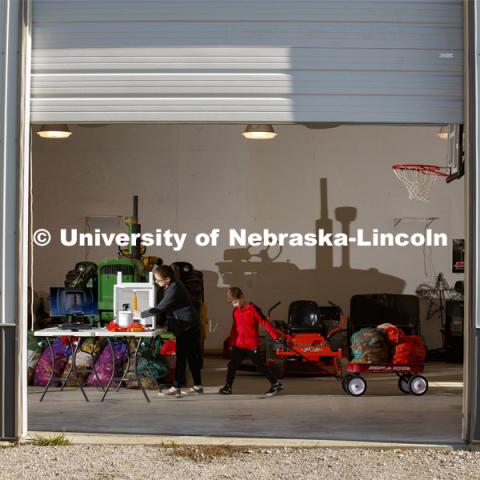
372 310
409 380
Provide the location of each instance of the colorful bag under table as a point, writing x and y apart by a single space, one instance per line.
104 365
43 370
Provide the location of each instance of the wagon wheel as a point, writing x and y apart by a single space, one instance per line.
403 383
418 385
356 385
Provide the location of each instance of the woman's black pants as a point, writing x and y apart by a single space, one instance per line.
188 350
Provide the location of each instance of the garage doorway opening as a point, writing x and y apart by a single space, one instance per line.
196 178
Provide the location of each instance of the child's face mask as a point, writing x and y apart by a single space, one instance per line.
238 302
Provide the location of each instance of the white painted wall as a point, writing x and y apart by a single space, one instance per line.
192 178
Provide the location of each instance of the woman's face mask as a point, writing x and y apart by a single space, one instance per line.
162 282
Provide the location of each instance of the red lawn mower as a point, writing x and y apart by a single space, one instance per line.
312 342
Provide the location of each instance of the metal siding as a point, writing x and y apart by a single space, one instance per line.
383 61
471 400
10 34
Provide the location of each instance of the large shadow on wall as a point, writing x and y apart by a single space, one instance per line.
266 280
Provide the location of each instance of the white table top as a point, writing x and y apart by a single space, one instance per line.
103 332
58 332
96 332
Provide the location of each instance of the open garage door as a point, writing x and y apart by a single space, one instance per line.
397 61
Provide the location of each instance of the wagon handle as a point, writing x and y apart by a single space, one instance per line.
336 306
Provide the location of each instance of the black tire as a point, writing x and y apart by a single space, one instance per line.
356 386
418 385
403 384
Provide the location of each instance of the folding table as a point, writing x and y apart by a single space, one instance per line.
137 337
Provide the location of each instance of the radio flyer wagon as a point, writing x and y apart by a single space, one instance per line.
371 311
409 380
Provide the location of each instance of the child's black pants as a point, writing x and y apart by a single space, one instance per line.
238 355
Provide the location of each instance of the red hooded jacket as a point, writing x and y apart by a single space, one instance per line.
244 332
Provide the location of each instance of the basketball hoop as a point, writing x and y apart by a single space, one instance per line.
419 179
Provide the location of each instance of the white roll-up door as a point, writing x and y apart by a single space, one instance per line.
373 61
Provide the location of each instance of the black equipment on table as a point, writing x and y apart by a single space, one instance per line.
75 326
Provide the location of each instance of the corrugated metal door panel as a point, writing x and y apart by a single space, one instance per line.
251 11
244 59
397 61
216 84
187 109
290 34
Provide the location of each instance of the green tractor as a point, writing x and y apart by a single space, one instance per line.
132 262
132 271
84 275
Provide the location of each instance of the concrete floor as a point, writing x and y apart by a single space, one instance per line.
310 408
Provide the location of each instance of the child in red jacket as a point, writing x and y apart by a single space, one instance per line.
245 341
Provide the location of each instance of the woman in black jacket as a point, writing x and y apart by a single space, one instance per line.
179 314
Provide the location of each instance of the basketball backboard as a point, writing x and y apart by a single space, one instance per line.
455 152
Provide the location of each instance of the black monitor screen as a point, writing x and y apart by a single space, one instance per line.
72 301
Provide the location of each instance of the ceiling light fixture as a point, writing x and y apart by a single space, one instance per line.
259 132
54 131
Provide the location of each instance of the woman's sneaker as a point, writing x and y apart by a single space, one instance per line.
226 390
171 391
196 389
274 389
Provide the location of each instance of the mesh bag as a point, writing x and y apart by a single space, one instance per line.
369 345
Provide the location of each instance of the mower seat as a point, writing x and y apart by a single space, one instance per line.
303 317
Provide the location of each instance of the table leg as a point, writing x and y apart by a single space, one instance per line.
65 380
112 350
136 369
149 361
94 370
74 367
52 375
124 376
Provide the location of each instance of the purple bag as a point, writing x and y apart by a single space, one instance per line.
103 365
43 370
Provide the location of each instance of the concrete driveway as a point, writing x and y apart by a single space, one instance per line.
310 408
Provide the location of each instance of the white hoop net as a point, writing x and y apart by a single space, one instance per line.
418 181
